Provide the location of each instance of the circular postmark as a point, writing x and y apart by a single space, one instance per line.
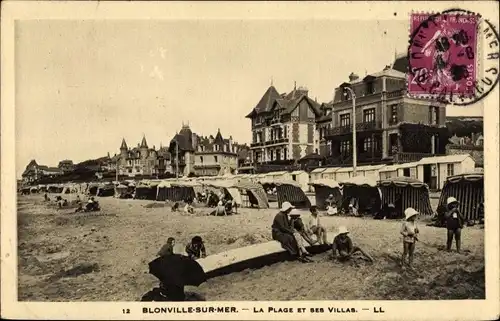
452 57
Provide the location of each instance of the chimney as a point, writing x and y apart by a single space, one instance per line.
353 77
230 143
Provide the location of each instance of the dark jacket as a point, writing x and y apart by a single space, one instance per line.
281 224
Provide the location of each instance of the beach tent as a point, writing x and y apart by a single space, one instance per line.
42 188
365 191
106 190
468 189
404 192
244 192
176 191
323 188
70 188
291 191
229 188
121 191
34 189
146 190
54 188
25 190
92 189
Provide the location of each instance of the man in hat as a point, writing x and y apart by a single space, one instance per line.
343 247
282 231
314 226
409 230
454 223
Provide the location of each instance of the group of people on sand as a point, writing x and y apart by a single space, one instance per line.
289 230
224 205
195 249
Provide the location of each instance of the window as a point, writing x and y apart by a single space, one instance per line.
130 170
285 132
450 169
394 114
216 159
370 89
201 159
433 115
345 147
285 153
368 144
345 120
369 115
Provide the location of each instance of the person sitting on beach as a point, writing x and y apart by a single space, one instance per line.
299 233
314 226
343 247
196 248
331 206
220 209
409 230
46 197
188 208
283 232
175 207
168 248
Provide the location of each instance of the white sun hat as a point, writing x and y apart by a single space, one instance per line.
451 200
343 230
286 206
409 212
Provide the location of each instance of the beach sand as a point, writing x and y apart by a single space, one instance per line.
80 257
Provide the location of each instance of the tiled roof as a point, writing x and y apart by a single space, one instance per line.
266 101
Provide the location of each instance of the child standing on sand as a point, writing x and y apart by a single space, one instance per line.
409 230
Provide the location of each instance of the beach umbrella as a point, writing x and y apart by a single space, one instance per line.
178 270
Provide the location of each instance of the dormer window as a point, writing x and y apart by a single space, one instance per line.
369 85
370 89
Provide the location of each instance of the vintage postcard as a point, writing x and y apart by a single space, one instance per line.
250 160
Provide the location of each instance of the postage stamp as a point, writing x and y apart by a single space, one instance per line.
229 161
452 56
443 54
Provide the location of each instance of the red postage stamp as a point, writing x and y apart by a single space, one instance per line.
443 54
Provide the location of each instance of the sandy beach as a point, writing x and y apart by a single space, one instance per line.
65 256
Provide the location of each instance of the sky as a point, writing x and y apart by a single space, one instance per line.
83 85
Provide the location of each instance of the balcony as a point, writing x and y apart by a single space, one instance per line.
396 94
259 144
278 141
341 130
274 122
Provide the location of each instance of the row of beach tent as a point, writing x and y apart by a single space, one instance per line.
258 190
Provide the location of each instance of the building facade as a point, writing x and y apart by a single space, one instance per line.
283 128
35 172
66 165
390 126
192 154
141 160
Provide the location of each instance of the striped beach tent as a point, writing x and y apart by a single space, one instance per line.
365 191
468 189
291 191
323 188
404 192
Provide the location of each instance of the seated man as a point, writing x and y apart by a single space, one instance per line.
175 207
188 208
342 244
